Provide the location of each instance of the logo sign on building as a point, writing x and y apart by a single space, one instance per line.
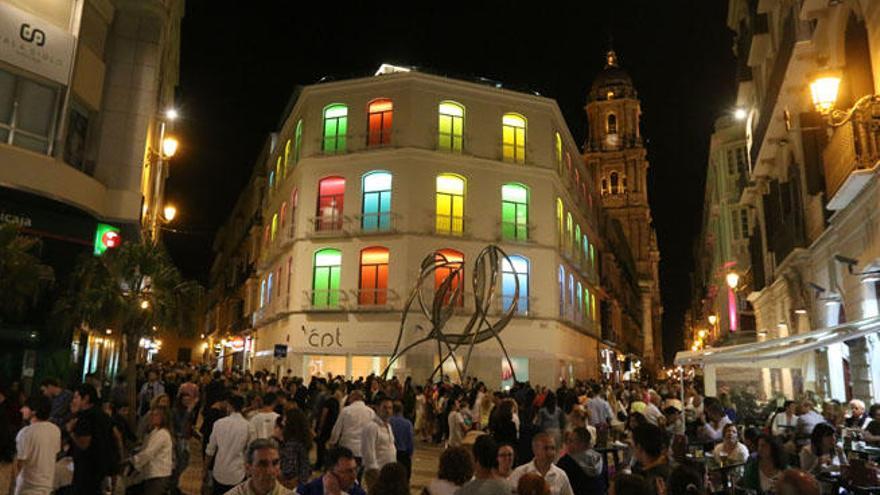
38 46
106 237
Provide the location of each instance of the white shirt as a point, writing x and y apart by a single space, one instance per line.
715 434
782 421
739 454
228 443
349 426
652 414
556 478
377 444
154 460
262 424
36 447
456 428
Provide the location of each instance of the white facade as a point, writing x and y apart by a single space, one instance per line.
355 337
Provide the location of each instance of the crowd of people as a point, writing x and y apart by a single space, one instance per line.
260 434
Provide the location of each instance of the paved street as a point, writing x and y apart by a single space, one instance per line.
424 469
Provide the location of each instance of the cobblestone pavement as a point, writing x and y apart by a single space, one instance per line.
424 469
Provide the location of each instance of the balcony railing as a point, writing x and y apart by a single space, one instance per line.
852 152
377 223
325 300
515 232
449 225
375 299
328 225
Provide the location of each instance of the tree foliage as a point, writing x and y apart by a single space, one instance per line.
23 277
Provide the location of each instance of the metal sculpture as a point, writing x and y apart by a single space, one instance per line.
447 296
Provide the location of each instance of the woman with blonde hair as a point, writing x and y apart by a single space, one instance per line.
154 461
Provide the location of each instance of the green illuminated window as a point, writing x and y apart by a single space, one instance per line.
513 138
580 300
575 251
450 204
325 278
335 128
515 212
588 313
569 224
297 141
376 204
451 126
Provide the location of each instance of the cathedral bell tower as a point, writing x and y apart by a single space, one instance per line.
614 153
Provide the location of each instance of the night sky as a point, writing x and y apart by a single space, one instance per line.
239 66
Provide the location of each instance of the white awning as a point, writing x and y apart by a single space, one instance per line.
784 352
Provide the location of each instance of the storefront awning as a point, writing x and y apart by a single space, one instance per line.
784 352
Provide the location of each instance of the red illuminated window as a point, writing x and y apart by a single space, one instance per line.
451 264
379 122
331 192
374 276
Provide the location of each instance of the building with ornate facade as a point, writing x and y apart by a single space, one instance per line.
82 86
368 176
617 159
812 193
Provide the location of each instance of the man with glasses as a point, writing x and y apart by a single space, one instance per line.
263 466
340 478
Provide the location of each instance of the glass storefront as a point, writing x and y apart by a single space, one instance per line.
355 366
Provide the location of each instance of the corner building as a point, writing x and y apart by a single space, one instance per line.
371 175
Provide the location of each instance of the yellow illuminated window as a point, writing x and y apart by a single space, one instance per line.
559 152
450 127
450 204
513 138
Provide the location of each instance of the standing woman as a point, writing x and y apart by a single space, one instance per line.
326 419
154 461
294 451
550 418
420 412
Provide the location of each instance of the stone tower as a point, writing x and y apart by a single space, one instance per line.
615 155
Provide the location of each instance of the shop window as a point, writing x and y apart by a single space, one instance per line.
335 128
374 276
376 203
452 265
331 192
515 212
27 112
297 141
513 271
450 127
379 122
325 278
513 137
450 204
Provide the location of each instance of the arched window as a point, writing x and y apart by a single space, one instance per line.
515 212
561 291
450 126
574 248
297 141
517 270
279 171
560 228
604 188
287 150
593 307
452 262
374 276
450 204
274 226
587 312
376 202
335 128
271 179
331 194
379 122
266 237
569 232
623 184
262 293
558 148
283 215
580 301
325 278
270 285
592 257
611 127
585 249
294 200
615 183
570 300
513 138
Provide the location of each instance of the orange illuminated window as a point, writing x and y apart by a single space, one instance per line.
374 276
379 123
450 263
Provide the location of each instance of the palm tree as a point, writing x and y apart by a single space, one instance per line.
22 276
134 289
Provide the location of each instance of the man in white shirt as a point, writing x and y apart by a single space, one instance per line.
226 448
262 423
785 421
600 411
377 439
544 449
263 469
350 424
33 470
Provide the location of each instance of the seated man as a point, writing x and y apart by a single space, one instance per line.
341 476
581 464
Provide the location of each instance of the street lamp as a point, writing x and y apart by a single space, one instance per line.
167 148
713 319
170 212
740 114
825 88
732 279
